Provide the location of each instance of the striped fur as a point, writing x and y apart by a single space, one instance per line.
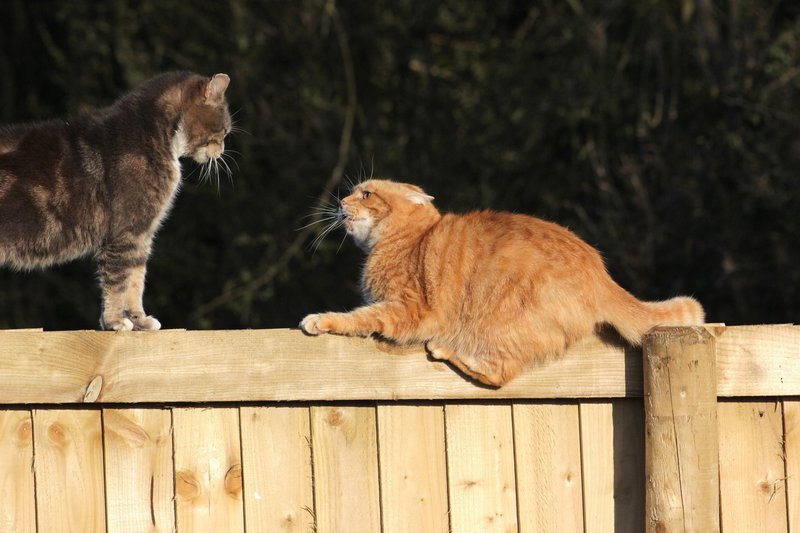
488 291
101 183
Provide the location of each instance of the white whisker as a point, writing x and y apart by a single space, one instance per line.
233 159
226 168
318 221
315 244
344 237
215 162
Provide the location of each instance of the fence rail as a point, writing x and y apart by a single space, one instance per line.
270 430
178 366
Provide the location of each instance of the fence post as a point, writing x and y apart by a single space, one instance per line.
681 443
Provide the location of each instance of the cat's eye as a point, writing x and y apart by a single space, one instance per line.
365 194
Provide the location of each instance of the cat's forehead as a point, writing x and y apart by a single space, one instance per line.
209 118
383 185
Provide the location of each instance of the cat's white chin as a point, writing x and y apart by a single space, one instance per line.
361 230
200 157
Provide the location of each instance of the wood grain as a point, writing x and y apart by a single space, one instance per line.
68 468
346 486
283 365
139 470
612 454
208 471
273 365
682 451
758 361
791 428
597 455
413 469
17 507
751 467
276 460
480 459
548 461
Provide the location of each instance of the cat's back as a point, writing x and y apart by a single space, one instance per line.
487 263
498 233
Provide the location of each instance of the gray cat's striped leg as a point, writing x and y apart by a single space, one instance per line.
133 301
114 284
121 269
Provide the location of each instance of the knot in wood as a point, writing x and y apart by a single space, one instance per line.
187 485
24 434
57 434
233 480
93 390
335 417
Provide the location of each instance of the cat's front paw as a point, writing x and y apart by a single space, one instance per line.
123 324
146 323
315 324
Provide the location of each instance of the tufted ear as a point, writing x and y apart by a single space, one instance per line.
419 197
215 88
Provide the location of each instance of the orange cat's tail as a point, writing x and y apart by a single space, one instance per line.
632 318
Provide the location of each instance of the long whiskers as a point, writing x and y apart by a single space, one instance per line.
331 219
335 224
210 170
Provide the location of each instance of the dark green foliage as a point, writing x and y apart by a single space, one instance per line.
665 133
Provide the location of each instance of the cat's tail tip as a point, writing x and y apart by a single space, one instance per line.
636 317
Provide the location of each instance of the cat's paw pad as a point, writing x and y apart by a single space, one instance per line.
117 325
148 323
314 325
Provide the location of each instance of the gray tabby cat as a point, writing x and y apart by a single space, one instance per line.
102 183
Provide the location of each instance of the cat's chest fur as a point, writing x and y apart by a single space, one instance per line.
394 273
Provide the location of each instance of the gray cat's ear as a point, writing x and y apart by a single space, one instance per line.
215 88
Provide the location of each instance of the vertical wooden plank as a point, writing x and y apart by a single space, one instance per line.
68 469
17 508
548 458
597 452
627 416
791 427
480 458
208 472
413 469
139 473
612 454
681 448
751 467
276 459
345 469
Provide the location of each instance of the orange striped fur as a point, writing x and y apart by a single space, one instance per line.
488 291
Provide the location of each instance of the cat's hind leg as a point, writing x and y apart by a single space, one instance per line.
493 370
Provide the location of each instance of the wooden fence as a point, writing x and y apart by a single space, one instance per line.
273 431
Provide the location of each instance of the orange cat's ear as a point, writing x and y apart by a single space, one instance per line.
215 89
419 197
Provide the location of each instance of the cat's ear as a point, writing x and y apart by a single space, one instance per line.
419 197
215 88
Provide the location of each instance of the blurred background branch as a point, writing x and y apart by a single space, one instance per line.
267 273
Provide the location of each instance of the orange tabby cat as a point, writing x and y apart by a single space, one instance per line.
490 292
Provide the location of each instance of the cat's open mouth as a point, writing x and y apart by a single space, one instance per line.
347 219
